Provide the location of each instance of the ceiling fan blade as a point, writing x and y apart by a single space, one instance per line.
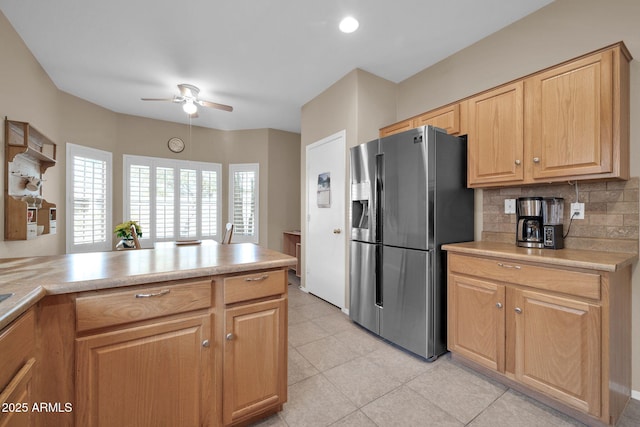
158 99
214 105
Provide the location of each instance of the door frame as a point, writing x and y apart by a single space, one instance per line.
340 137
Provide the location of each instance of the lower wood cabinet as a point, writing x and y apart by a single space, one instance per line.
145 375
210 351
251 322
549 330
255 352
476 320
17 363
557 347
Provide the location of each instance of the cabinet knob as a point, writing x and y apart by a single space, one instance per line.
518 310
536 160
518 162
337 231
229 336
499 304
205 343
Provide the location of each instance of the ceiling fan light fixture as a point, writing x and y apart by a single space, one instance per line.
189 107
349 24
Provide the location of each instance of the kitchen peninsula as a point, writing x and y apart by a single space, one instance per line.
175 330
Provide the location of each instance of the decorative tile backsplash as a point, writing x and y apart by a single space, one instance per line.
611 213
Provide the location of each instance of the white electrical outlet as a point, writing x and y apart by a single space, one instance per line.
510 206
577 211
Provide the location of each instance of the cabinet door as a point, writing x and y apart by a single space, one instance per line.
477 321
447 118
396 128
496 136
571 113
148 375
558 348
255 357
17 399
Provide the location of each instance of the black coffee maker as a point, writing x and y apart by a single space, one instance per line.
530 225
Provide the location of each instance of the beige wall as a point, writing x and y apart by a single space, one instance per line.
359 103
27 94
561 31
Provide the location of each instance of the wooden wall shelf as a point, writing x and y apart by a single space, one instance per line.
28 155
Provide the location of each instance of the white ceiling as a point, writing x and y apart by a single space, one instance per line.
266 58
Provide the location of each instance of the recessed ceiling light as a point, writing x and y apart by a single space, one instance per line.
349 24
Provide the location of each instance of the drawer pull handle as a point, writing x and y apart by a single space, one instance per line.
517 267
518 310
499 304
257 279
157 294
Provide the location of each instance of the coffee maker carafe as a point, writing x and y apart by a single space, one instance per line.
530 222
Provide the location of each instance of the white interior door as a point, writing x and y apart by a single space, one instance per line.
325 238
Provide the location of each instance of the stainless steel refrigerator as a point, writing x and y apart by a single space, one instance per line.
408 197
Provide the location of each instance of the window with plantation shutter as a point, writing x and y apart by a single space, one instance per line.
89 199
172 199
243 201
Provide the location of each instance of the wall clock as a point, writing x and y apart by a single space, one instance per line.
176 145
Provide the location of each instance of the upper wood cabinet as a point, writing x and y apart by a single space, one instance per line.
575 115
396 128
447 118
496 136
567 122
574 124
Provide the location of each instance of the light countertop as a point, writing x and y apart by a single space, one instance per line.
592 260
30 279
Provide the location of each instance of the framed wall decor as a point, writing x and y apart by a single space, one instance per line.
324 190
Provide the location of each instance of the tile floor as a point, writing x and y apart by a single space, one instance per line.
341 375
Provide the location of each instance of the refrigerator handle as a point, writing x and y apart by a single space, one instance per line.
378 197
378 274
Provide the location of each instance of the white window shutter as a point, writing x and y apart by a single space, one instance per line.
89 199
243 201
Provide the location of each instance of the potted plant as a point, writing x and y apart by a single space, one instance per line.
126 237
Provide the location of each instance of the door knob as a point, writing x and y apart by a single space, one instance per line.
499 304
337 231
229 337
205 343
536 160
518 310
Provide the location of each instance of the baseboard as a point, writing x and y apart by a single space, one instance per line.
635 394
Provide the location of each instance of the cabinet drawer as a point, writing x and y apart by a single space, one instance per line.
254 285
97 311
570 282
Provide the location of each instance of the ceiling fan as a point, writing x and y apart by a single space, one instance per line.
189 98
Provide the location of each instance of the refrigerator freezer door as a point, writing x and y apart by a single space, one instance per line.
405 311
363 308
363 192
405 187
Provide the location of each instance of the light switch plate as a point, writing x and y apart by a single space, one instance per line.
510 206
